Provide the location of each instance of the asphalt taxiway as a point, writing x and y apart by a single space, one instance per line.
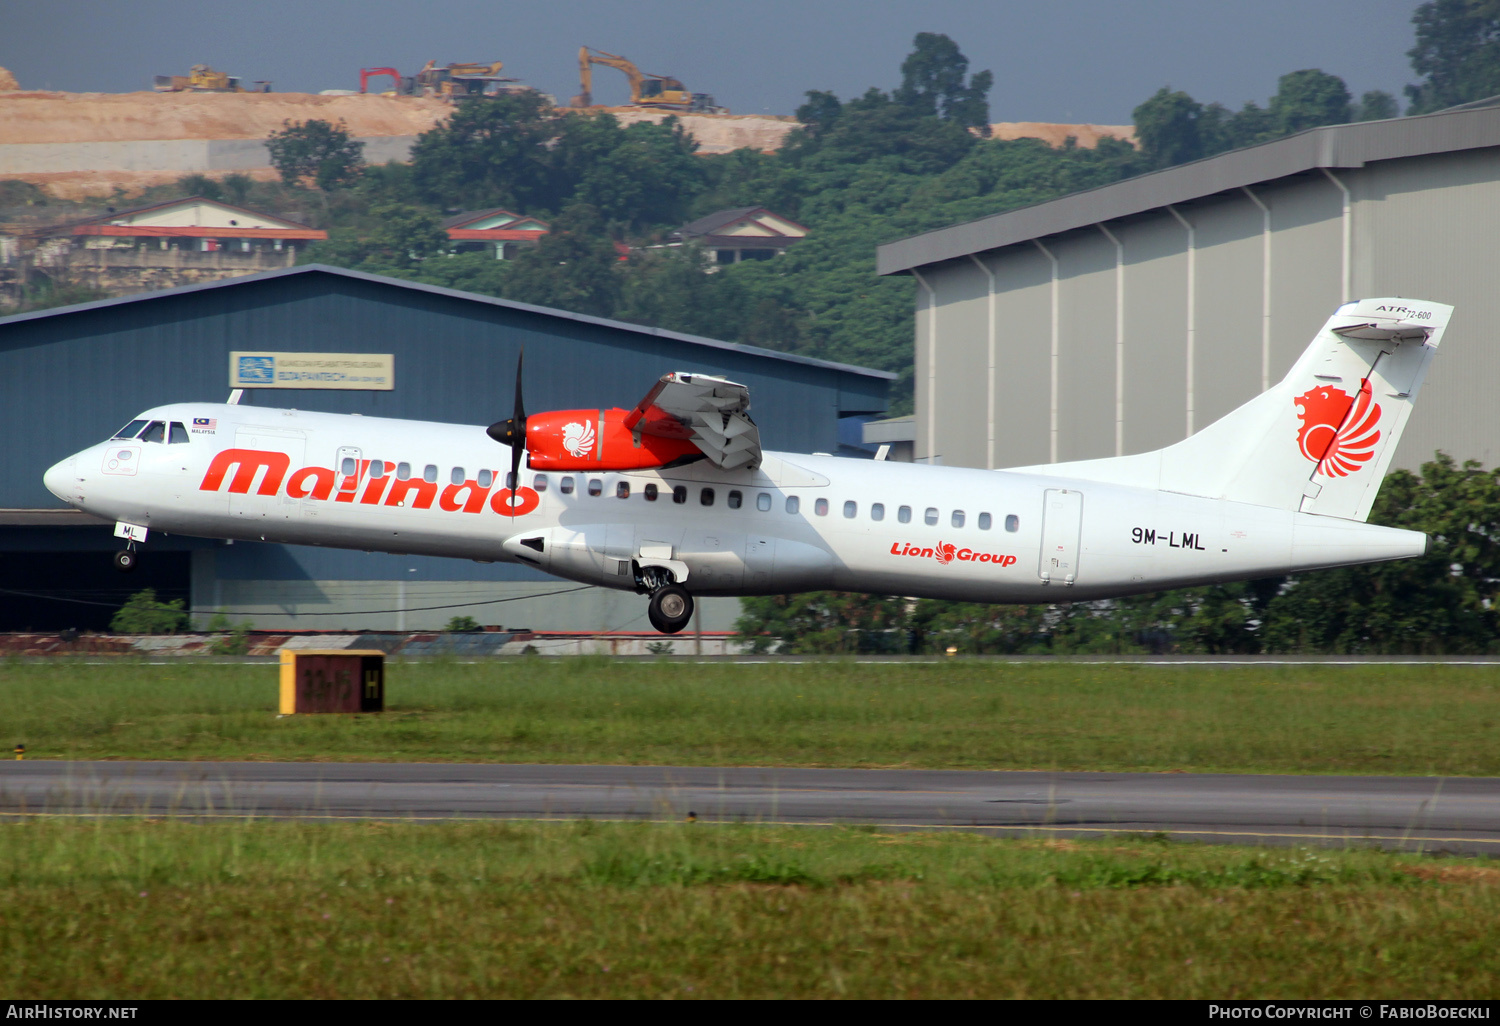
1459 814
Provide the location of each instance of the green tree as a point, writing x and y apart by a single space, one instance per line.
463 624
1376 105
1457 53
639 176
143 614
236 188
1444 602
933 82
572 268
490 154
824 622
1309 99
200 185
818 114
1168 129
316 152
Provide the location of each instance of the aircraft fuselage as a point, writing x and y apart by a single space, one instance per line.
797 523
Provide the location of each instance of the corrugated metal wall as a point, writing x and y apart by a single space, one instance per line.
1423 227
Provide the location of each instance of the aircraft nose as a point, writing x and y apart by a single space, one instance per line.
61 479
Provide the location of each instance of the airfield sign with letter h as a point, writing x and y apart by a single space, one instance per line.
332 681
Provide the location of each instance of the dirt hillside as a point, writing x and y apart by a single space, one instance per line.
36 117
51 117
1088 136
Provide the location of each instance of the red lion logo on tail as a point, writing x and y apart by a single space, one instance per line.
1339 439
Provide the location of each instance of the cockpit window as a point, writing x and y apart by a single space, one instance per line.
130 430
155 431
179 433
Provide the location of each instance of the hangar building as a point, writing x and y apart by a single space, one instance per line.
1122 319
73 375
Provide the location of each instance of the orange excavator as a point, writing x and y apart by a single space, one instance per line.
646 90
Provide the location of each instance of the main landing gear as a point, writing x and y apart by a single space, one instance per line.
125 560
671 608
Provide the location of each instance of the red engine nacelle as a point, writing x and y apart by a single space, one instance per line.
599 440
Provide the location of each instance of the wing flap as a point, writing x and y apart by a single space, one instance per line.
714 413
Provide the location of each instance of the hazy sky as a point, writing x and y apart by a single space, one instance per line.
1054 60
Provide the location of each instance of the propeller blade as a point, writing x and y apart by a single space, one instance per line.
512 432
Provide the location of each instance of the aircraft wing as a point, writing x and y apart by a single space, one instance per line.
713 413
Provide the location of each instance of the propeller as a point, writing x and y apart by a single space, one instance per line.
512 432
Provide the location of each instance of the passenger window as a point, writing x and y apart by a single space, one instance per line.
429 473
622 490
510 480
904 514
851 510
377 469
130 430
736 499
763 501
154 431
565 485
651 492
793 504
486 478
877 511
347 466
179 434
596 486
1012 523
930 517
706 497
403 471
958 518
457 475
984 521
679 494
821 507
539 483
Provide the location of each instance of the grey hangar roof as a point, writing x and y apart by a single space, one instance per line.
1333 147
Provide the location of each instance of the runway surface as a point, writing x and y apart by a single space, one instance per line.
1452 814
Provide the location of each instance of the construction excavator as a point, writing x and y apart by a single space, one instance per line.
646 90
203 79
453 81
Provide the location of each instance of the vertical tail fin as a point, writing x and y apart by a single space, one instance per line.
1322 439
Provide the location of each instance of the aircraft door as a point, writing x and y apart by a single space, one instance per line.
269 507
1062 524
760 561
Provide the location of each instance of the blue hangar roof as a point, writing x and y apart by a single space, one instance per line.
73 374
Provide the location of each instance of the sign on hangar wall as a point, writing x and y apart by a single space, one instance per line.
366 371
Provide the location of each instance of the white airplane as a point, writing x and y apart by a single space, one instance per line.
675 497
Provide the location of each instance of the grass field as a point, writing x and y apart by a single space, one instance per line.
1065 716
152 909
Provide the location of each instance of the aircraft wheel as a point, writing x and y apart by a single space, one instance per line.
125 561
671 608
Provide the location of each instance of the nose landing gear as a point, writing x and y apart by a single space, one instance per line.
134 534
671 608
